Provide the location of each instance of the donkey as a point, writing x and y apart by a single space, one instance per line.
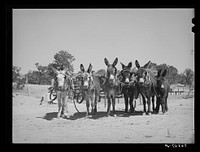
111 84
62 88
90 86
163 89
129 87
147 85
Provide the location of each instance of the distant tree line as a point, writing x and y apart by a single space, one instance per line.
185 78
44 74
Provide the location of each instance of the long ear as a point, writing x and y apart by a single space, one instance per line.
115 62
130 65
65 70
137 64
82 68
164 73
147 64
122 65
54 70
89 68
159 72
106 62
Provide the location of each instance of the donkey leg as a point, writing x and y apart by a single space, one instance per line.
108 108
87 106
95 103
64 105
149 105
132 104
144 105
153 105
92 104
166 106
59 105
113 104
157 104
126 103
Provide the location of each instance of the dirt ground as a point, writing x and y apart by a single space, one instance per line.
34 123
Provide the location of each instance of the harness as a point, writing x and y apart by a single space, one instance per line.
149 82
127 84
63 88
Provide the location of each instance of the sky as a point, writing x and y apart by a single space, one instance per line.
90 35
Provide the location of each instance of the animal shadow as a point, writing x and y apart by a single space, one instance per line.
98 115
50 115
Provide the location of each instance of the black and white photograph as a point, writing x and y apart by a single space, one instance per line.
103 75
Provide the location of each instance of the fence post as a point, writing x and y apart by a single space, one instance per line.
27 87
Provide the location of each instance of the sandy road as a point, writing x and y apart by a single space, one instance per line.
34 123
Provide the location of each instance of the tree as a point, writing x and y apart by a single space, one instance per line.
15 73
101 72
42 70
189 77
64 58
18 79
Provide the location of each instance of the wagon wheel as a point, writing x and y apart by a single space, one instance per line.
79 97
52 96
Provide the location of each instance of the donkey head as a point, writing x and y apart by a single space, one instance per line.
87 79
126 72
111 71
61 75
161 79
143 77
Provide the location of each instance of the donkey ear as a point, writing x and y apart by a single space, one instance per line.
89 68
115 62
65 70
147 64
106 62
164 73
137 64
82 68
130 65
54 70
122 65
159 72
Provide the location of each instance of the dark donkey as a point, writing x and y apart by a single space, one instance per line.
91 88
163 89
129 87
147 85
111 84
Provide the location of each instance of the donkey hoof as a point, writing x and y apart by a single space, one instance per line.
144 113
58 116
108 115
148 113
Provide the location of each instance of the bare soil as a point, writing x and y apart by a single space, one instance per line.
34 123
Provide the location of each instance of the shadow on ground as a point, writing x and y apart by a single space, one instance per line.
49 116
78 115
101 114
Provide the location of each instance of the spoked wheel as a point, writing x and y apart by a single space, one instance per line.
78 97
52 96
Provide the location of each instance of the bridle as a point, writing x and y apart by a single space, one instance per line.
90 82
131 81
111 82
63 88
147 79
